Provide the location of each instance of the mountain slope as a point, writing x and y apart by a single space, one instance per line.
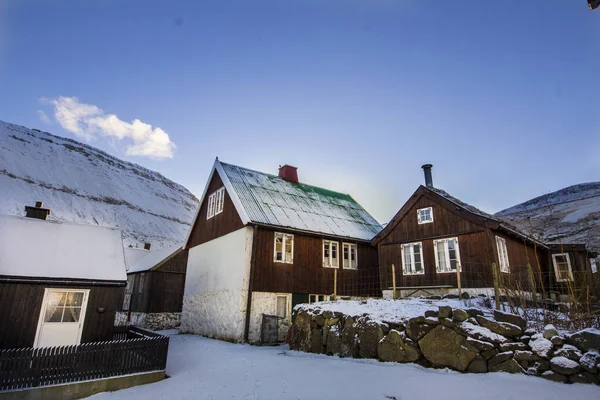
84 185
569 215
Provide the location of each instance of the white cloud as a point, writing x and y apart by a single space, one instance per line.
88 121
42 115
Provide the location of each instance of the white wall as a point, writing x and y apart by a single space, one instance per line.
266 303
216 287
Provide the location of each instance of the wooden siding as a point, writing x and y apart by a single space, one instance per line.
307 274
221 224
21 303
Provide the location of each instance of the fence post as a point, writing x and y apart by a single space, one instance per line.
458 280
394 281
496 286
335 284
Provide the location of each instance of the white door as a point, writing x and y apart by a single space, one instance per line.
61 318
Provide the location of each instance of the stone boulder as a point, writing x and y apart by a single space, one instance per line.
590 361
524 356
445 312
480 344
443 347
349 345
586 340
556 377
557 340
511 366
478 365
474 312
513 346
514 319
416 328
549 332
569 351
542 347
431 313
584 377
501 328
459 315
369 334
300 336
393 348
500 358
334 341
564 366
316 342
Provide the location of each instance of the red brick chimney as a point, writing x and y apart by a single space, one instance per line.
289 173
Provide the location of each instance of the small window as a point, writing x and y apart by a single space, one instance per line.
284 248
282 306
562 267
593 265
412 259
315 298
447 255
330 254
425 215
141 280
349 256
63 306
215 203
502 254
126 301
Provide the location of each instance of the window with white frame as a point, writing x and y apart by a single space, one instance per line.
141 281
425 215
412 259
284 248
593 265
502 254
282 306
447 255
215 203
315 298
349 256
562 267
330 254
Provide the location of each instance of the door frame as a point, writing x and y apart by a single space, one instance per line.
86 295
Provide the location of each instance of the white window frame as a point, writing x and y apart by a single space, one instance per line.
447 269
215 203
328 262
593 265
326 297
566 255
422 221
285 237
348 264
411 270
502 255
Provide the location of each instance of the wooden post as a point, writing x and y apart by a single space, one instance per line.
458 280
394 281
335 284
496 285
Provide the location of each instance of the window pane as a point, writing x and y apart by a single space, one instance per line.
288 248
345 252
71 314
353 253
53 313
407 259
326 250
281 306
74 299
441 251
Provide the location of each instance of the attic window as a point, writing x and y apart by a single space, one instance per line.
425 215
562 267
215 203
284 248
502 254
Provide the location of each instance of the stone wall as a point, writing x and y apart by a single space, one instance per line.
151 321
464 340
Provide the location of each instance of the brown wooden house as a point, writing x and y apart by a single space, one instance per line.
60 284
154 292
434 234
261 244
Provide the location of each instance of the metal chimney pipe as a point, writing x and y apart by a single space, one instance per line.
428 177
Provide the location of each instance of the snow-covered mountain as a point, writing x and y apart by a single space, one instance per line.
84 185
569 215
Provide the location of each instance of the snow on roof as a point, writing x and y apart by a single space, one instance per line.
35 248
270 200
133 255
151 258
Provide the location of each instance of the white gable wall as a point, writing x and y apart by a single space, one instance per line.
216 287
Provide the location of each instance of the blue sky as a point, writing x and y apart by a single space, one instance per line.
502 97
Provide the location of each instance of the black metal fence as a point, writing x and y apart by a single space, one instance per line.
135 350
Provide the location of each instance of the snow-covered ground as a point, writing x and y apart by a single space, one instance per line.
201 368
